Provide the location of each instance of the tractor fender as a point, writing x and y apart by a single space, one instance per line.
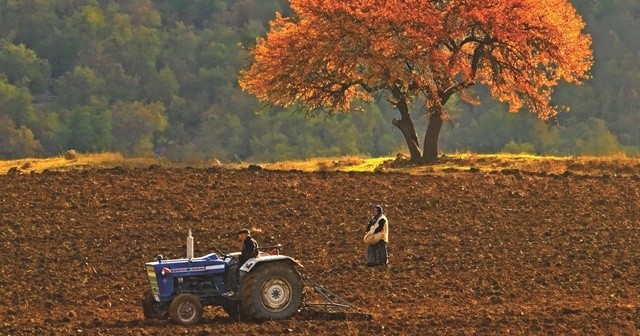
251 263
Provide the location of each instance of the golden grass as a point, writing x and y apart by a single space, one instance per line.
81 161
613 165
351 163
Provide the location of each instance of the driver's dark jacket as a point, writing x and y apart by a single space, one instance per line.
249 250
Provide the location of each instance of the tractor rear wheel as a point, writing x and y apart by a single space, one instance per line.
273 291
185 309
153 309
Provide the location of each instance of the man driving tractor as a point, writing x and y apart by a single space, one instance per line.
249 250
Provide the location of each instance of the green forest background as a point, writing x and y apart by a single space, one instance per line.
159 78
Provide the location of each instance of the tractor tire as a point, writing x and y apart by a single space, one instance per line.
273 291
153 309
185 309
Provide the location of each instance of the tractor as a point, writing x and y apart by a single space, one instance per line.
271 288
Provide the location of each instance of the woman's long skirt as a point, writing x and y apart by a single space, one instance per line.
377 254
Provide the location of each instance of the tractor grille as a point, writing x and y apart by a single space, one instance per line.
153 280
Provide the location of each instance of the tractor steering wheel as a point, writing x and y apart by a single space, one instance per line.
223 254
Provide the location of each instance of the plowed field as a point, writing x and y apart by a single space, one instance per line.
470 252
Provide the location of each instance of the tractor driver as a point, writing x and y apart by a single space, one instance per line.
249 250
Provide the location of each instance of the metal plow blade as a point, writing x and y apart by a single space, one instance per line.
333 308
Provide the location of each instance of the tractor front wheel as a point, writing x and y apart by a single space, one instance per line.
273 291
185 309
153 309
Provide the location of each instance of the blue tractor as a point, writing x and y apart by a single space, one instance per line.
271 288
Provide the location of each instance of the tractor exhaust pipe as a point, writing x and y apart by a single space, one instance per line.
189 246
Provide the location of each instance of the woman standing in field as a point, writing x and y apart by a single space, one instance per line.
377 237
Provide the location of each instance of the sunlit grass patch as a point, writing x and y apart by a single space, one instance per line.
542 164
447 164
67 161
350 164
368 165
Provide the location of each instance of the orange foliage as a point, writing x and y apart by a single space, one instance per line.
336 51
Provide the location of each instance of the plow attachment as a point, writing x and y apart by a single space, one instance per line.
333 308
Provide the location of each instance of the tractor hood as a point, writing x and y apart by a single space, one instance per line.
161 273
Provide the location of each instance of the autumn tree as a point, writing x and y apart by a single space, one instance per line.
134 126
16 142
21 65
333 53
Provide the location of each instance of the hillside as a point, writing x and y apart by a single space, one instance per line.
473 251
160 77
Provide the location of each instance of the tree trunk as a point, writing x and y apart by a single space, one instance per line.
408 131
432 134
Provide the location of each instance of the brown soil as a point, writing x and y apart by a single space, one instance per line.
470 252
